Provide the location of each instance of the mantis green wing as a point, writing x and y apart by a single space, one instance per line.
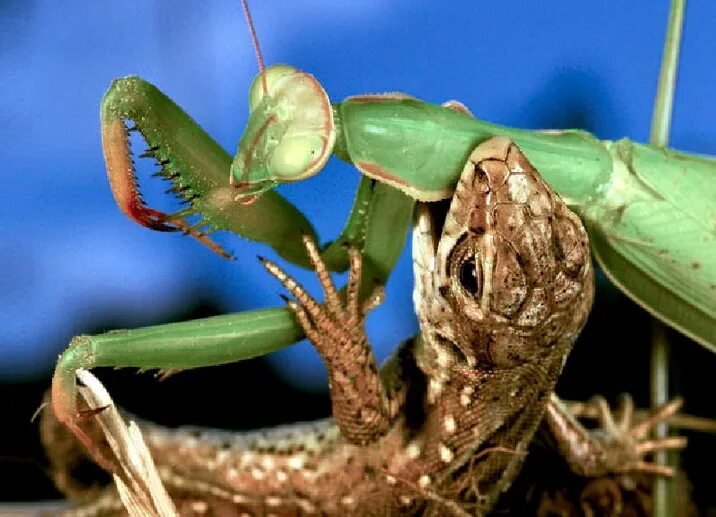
661 248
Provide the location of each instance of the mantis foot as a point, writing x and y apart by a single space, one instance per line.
619 444
64 402
337 330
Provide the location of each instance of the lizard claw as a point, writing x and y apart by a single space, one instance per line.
336 327
624 443
341 315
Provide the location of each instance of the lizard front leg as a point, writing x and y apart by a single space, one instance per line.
362 407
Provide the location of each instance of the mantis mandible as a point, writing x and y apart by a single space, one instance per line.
626 192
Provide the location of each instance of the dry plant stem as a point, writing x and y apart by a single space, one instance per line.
139 485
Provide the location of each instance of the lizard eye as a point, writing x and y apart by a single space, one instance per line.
468 276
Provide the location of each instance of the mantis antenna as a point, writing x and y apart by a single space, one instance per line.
290 132
255 41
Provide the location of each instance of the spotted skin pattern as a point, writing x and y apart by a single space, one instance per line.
503 287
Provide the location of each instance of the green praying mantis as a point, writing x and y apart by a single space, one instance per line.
649 211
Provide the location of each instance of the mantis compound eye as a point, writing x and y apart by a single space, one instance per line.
290 132
293 155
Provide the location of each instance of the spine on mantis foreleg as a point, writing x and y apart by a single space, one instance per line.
197 166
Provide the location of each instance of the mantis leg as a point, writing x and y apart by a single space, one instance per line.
189 344
197 166
212 341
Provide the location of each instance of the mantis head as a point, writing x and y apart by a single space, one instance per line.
289 135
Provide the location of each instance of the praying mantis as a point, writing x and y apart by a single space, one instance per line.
627 193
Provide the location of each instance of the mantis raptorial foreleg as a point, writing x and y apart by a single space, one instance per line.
198 167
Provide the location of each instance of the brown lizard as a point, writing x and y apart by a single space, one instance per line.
502 291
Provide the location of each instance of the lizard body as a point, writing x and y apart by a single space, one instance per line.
502 292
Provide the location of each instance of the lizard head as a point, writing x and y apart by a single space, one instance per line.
510 277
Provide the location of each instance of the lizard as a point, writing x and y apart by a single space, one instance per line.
503 286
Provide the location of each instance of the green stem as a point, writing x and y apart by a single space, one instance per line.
663 105
663 497
664 501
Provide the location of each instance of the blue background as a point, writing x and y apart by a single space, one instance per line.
69 256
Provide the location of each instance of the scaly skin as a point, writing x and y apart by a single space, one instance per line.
445 424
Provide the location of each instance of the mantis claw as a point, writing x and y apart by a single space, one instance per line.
181 224
123 180
64 405
86 414
125 186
